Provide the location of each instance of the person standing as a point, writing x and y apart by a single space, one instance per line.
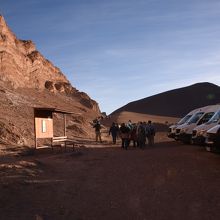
150 132
97 127
124 133
133 135
114 132
141 135
129 124
145 126
118 134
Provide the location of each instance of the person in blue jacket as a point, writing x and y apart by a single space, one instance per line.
114 129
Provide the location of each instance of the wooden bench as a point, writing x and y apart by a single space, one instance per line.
58 141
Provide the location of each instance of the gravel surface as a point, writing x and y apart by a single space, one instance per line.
167 181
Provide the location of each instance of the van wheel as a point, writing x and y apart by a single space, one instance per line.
191 142
215 149
208 148
211 149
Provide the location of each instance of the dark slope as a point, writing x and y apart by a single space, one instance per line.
177 102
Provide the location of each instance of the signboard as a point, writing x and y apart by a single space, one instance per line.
44 127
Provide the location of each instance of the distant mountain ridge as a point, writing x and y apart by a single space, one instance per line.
177 102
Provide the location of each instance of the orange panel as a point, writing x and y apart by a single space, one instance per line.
44 127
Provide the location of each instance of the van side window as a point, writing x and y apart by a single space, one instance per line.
215 117
195 117
206 118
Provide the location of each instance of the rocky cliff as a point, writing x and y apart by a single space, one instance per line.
22 65
27 79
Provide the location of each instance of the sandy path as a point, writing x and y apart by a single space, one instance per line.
168 181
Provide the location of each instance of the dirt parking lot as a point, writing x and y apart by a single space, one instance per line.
167 181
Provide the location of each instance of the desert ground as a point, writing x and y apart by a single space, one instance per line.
97 180
102 181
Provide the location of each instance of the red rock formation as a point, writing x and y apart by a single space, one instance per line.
27 79
22 65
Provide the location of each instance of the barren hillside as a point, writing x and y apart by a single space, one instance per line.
175 103
29 80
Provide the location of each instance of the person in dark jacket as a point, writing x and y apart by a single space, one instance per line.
141 135
133 135
114 129
124 133
150 132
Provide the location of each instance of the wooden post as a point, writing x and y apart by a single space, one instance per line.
35 135
64 115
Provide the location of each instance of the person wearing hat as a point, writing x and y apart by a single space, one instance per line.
97 127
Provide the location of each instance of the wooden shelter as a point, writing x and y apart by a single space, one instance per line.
43 126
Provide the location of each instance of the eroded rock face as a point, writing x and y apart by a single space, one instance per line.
25 72
22 65
61 87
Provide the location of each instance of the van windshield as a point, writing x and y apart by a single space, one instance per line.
206 118
215 118
195 117
185 119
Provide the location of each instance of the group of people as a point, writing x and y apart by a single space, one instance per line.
139 134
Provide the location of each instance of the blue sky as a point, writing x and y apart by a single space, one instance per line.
123 50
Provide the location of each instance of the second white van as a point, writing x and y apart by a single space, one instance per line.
199 133
203 115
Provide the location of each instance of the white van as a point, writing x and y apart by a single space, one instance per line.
172 129
213 138
199 133
203 115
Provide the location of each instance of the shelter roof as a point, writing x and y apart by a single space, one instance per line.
52 110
